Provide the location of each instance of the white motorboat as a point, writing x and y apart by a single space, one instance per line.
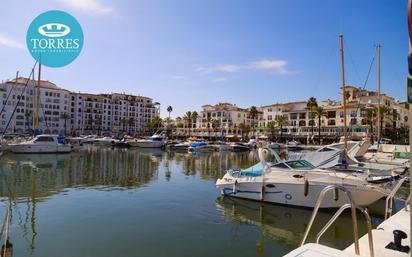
276 146
201 146
155 141
105 141
221 146
42 144
297 183
239 147
179 147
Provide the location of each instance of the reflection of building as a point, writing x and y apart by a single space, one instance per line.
53 173
85 113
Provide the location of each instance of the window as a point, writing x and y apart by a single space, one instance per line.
353 121
44 139
354 113
331 114
300 165
281 165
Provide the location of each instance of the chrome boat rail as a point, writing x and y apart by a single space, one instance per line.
353 208
391 196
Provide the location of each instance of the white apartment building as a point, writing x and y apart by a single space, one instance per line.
103 114
18 98
108 114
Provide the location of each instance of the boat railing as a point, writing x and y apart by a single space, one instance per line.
390 198
368 223
408 203
353 208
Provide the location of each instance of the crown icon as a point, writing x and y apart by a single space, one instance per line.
54 30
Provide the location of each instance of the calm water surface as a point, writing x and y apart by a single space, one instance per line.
129 202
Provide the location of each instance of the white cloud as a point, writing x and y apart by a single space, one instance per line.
277 66
94 6
220 79
9 42
221 68
178 77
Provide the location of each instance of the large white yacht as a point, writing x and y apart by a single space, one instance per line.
298 183
42 144
155 141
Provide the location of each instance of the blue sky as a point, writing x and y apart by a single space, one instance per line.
189 53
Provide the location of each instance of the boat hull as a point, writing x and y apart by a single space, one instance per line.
149 144
294 194
21 148
207 149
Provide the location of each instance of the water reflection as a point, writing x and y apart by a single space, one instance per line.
286 225
212 165
105 168
88 198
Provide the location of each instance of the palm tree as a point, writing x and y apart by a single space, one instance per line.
130 123
65 116
188 119
310 104
242 127
253 113
29 117
195 115
370 116
169 110
208 120
319 112
215 124
385 111
272 129
123 122
90 122
281 120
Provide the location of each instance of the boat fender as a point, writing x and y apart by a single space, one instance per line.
234 187
306 187
7 249
336 194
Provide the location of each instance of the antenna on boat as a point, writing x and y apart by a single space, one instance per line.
345 132
378 85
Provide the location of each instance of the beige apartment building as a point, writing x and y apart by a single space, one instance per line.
299 125
358 101
228 117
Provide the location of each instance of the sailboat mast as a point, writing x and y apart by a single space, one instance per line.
37 112
345 132
378 85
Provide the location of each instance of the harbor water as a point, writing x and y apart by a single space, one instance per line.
102 202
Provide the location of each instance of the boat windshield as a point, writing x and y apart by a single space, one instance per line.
300 165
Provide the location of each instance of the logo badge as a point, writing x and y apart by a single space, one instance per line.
54 38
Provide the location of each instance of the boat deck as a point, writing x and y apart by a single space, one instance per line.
382 236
